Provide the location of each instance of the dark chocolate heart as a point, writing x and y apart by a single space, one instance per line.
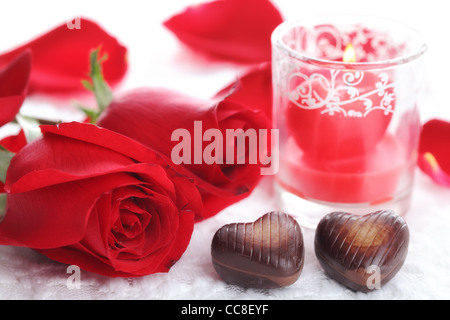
362 252
267 253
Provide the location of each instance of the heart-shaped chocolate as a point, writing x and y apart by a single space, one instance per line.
362 252
268 253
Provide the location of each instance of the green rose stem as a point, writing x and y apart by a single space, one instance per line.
2 206
98 86
31 130
5 159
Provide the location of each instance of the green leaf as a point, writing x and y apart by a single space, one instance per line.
2 205
5 160
91 114
87 85
97 85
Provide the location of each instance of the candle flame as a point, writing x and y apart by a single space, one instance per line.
349 54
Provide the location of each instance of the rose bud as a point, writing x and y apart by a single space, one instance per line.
152 116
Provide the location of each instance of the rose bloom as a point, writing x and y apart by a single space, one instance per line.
86 196
151 116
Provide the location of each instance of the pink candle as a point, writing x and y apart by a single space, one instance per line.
346 107
369 178
339 115
337 123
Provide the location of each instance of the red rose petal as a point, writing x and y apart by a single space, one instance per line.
14 143
434 151
61 57
429 165
106 151
231 29
13 86
253 89
31 222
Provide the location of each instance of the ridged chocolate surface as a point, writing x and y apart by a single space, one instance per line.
359 251
267 253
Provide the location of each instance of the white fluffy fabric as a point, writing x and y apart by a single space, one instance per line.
25 274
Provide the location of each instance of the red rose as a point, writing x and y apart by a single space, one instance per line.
151 116
90 197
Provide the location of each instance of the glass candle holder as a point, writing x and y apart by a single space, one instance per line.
346 103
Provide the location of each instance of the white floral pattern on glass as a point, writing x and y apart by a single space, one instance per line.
341 85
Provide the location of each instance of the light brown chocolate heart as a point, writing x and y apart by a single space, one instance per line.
362 252
268 253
